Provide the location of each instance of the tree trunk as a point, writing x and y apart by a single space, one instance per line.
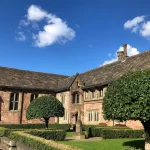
146 126
46 122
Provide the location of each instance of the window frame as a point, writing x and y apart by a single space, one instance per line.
93 115
33 96
14 101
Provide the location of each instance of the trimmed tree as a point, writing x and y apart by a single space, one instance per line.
128 98
45 107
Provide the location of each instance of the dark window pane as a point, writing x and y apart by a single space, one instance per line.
16 97
31 97
11 101
93 94
77 98
11 97
11 106
36 96
16 106
73 98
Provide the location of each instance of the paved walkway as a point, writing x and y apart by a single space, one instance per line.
86 140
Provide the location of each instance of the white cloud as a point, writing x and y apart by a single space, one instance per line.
134 22
55 30
145 30
130 52
20 36
35 13
110 61
140 25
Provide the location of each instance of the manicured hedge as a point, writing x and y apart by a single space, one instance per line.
96 130
56 135
38 143
117 133
36 126
113 132
52 134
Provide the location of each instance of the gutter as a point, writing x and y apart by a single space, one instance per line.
21 110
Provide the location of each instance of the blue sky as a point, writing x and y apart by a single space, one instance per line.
70 36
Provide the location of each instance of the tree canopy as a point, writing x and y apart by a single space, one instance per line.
45 107
128 98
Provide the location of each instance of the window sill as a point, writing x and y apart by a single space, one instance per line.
76 103
14 110
96 98
93 121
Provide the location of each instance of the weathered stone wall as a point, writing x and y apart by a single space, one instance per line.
66 118
76 87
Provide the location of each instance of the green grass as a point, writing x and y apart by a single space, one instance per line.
109 144
70 134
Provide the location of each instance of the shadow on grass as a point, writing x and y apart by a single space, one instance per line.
135 144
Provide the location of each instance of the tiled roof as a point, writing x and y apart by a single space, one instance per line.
107 73
10 77
99 76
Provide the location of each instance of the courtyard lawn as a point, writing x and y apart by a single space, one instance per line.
108 144
69 134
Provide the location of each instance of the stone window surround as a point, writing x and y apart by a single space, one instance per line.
63 99
98 93
92 115
65 115
76 98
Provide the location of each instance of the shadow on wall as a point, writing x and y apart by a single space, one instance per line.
135 144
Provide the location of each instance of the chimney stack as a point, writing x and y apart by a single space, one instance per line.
122 55
125 50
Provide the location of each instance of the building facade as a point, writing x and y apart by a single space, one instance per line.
82 92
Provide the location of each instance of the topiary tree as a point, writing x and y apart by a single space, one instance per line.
128 98
45 107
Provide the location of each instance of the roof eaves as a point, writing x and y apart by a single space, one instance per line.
26 88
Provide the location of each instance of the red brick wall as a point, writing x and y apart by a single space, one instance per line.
13 116
8 116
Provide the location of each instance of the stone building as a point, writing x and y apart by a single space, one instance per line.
83 91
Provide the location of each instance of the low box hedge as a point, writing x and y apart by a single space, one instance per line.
96 130
38 143
56 135
53 134
117 133
36 126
